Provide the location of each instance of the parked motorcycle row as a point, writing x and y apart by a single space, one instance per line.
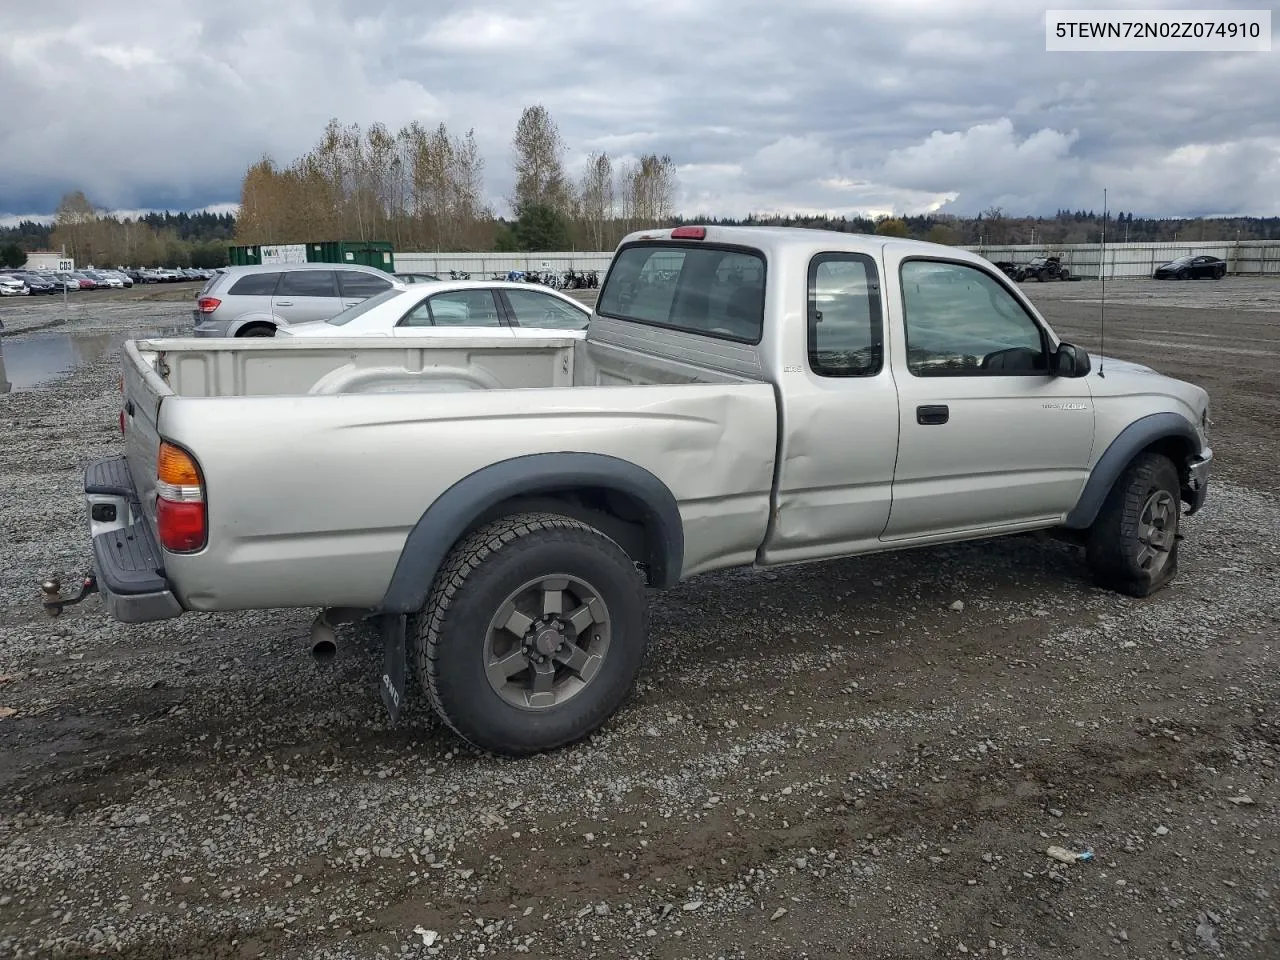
569 280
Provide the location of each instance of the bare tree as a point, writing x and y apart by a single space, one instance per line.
416 187
75 219
597 199
648 188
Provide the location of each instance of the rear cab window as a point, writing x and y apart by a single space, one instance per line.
708 289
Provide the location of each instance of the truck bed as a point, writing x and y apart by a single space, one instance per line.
319 456
286 367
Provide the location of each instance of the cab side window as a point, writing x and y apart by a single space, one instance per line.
961 321
846 329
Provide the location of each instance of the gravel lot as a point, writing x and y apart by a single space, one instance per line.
861 758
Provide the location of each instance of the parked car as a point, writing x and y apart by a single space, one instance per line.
1192 268
417 277
507 509
121 275
255 301
38 283
86 282
105 279
1041 269
11 286
464 306
69 283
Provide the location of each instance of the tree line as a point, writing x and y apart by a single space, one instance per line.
423 189
90 235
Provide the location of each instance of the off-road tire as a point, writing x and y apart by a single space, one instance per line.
1113 549
477 577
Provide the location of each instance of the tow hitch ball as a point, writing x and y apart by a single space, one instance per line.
52 588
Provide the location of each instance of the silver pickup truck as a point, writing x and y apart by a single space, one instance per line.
743 397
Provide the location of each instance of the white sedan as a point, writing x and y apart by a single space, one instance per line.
454 308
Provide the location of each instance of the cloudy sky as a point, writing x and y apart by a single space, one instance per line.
804 105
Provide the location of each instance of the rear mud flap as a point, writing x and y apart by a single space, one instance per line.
394 664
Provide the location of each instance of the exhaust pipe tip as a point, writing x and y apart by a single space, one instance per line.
324 642
324 651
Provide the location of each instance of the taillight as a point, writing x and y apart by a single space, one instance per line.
181 518
208 304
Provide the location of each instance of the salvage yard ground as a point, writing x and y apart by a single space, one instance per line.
865 758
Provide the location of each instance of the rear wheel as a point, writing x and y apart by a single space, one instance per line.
533 634
258 330
1133 544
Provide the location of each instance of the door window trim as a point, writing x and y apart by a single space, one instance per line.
1047 345
341 272
497 307
235 281
513 318
333 281
422 302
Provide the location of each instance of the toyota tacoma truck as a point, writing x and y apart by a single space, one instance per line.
743 396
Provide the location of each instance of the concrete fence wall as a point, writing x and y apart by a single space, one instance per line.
1082 259
482 265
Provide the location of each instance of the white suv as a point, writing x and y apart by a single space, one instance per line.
255 301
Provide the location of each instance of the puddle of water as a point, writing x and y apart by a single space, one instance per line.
29 362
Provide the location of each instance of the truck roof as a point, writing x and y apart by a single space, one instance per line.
773 241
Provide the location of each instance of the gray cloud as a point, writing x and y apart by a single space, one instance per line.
814 105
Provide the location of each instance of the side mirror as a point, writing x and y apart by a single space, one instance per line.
1070 361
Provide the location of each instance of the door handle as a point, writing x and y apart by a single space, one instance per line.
932 414
284 303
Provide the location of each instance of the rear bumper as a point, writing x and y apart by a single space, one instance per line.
1196 489
210 328
128 562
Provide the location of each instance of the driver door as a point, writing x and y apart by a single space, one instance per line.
988 438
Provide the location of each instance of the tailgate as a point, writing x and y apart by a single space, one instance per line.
143 392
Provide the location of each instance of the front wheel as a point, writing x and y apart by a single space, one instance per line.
1064 275
1133 544
533 634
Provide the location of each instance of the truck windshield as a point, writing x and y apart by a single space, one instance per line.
363 307
696 288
